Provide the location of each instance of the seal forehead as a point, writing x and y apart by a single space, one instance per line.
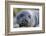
25 12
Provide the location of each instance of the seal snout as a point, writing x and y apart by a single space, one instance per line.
24 23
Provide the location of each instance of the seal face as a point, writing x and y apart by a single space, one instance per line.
23 19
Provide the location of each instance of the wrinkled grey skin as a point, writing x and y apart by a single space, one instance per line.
26 18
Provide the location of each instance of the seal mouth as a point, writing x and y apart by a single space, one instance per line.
24 23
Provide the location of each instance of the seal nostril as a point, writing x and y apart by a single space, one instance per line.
26 21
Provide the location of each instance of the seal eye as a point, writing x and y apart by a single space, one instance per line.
21 15
29 16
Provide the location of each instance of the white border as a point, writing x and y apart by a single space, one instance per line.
29 28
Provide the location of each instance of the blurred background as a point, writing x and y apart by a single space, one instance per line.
16 10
